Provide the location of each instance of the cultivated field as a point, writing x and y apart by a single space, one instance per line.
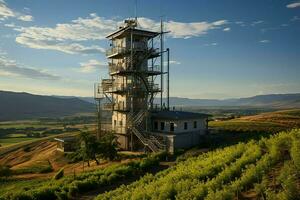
229 170
268 169
13 132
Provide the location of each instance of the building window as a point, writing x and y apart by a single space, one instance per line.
162 126
121 123
195 124
172 127
185 125
155 125
115 122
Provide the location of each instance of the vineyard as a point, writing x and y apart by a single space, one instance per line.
264 169
267 169
70 187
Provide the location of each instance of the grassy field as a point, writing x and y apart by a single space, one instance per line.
14 140
14 132
243 129
268 122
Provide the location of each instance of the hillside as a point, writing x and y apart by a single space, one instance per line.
265 169
267 101
15 106
264 122
257 170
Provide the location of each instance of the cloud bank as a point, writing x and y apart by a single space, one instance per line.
6 12
91 66
293 5
68 37
12 68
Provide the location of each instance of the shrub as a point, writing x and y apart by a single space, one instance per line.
26 149
5 171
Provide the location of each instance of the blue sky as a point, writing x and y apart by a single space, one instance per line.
219 49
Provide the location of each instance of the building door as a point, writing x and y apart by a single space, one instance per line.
172 127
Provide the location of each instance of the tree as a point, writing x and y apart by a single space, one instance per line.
108 146
4 171
105 147
89 147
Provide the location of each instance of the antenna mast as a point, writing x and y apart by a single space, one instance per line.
161 61
135 11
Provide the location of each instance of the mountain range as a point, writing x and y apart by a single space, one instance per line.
269 101
17 106
20 105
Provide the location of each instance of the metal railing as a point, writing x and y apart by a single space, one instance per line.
108 106
116 50
125 67
116 106
106 84
136 47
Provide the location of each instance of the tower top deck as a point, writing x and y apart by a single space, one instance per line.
130 27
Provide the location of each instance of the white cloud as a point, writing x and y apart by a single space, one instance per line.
293 5
26 18
180 29
264 41
240 23
12 68
212 44
65 36
173 62
70 48
6 12
257 22
91 66
11 25
194 29
227 29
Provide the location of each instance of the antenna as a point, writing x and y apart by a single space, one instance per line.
135 11
161 60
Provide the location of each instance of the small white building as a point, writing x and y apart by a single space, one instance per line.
181 129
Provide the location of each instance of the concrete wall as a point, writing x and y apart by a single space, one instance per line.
179 125
123 141
119 122
183 140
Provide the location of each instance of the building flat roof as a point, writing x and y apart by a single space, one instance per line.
66 139
127 29
178 115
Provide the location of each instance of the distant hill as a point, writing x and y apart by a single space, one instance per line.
16 106
269 101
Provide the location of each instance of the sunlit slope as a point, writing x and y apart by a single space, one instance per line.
270 122
256 170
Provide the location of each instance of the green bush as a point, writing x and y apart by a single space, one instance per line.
5 171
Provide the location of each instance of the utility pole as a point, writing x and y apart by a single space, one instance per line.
168 79
161 61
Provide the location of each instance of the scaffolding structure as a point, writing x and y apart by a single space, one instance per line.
135 80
